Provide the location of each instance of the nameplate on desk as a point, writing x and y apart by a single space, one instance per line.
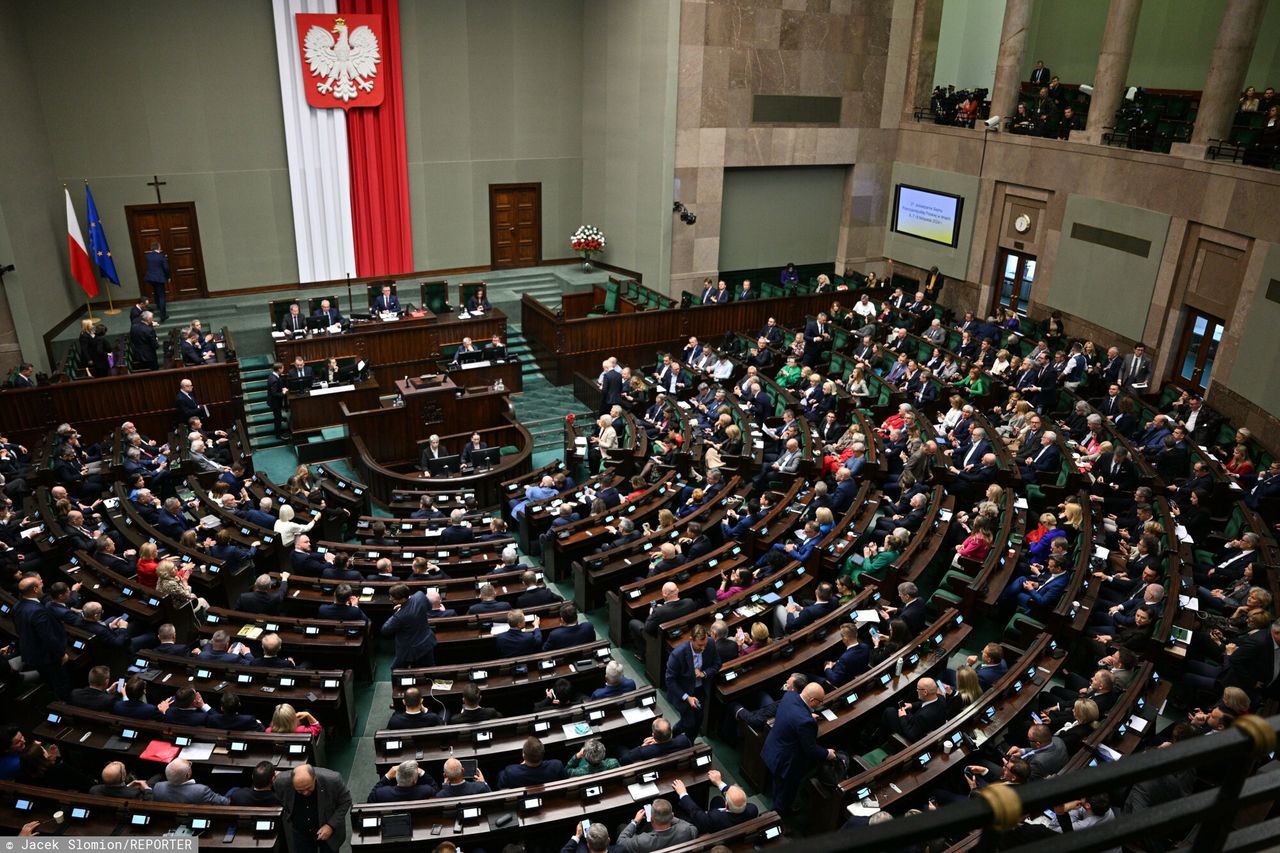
474 364
320 391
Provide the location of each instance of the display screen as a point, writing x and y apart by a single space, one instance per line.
926 214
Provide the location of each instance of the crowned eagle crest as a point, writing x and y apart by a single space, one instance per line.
346 61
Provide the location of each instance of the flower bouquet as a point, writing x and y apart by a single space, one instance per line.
588 240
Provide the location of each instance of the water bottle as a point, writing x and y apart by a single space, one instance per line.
499 386
897 668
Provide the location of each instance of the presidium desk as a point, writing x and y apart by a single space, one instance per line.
418 343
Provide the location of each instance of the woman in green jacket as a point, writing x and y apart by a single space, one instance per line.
592 758
975 384
877 558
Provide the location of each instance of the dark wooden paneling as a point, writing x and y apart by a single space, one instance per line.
580 345
515 225
97 406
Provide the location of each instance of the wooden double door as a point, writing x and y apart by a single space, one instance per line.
174 226
515 225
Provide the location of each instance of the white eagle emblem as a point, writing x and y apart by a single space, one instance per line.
346 63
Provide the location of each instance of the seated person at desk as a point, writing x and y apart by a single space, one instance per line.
332 316
386 302
299 372
495 349
293 321
330 372
475 444
478 303
433 449
464 348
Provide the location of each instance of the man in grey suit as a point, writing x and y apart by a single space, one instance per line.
179 787
665 830
316 805
1045 752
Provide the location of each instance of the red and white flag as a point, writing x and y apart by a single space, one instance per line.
81 266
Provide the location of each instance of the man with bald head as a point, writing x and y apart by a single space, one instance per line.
791 751
456 784
179 787
914 720
116 782
316 804
672 606
727 809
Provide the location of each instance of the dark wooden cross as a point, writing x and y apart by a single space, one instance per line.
157 183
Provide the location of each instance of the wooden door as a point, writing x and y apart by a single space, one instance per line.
515 225
174 225
1197 350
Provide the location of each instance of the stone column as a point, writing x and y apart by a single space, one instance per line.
1013 49
926 26
1227 67
1110 81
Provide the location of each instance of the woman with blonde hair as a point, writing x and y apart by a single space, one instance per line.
968 688
285 720
172 583
858 387
758 639
666 520
148 562
825 518
287 528
713 454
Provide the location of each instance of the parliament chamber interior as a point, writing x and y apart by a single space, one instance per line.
639 425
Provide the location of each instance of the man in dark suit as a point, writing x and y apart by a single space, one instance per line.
134 703
725 811
188 708
915 720
534 768
1043 461
316 805
332 316
145 344
793 617
414 715
746 291
300 373
535 592
672 606
457 785
488 602
708 295
261 599
293 321
271 657
42 639
691 669
100 694
386 301
610 390
516 641
455 531
404 782
344 606
817 335
854 660
158 276
912 610
276 397
1254 666
415 641
571 632
660 742
791 749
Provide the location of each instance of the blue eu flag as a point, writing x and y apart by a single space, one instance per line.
98 249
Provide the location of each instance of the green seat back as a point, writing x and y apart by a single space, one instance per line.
435 296
611 298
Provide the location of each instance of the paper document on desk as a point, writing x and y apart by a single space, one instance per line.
642 791
197 751
868 616
500 628
859 810
638 714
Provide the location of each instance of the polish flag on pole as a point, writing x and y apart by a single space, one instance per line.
81 266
